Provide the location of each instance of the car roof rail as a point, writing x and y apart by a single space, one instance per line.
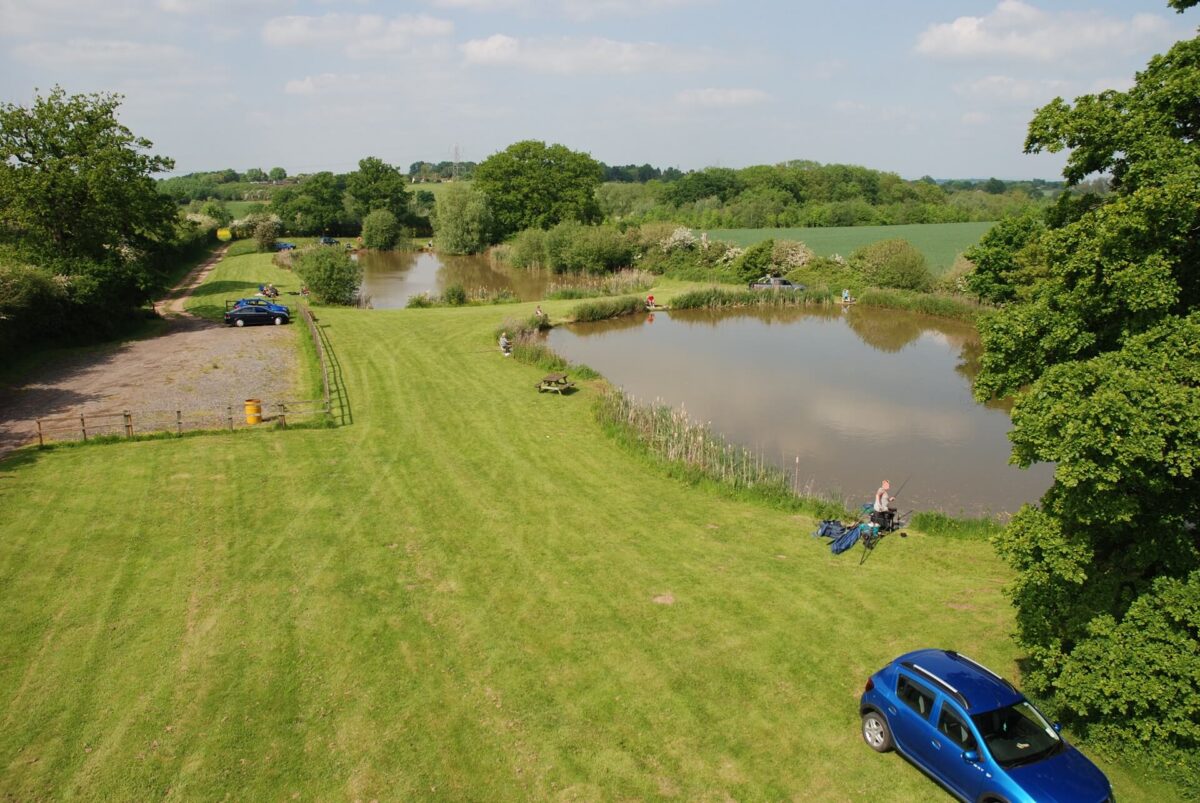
959 656
953 692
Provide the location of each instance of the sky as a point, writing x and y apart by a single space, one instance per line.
925 87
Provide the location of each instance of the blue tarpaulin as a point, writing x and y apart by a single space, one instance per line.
843 536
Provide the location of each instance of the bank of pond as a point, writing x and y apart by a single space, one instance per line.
838 396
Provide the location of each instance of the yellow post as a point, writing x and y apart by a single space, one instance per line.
253 411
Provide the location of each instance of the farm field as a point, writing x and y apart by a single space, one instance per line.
468 592
940 242
240 209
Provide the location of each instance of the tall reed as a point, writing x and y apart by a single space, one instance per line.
718 298
594 286
607 308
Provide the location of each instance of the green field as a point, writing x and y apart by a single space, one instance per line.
469 592
940 242
240 209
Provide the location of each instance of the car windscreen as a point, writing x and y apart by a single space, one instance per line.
1017 734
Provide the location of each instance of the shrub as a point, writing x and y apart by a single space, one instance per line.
31 302
455 295
380 230
892 263
330 274
788 255
572 246
756 261
265 234
463 221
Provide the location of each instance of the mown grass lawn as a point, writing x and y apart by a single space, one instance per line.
940 242
454 597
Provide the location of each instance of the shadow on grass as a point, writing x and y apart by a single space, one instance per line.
339 399
215 294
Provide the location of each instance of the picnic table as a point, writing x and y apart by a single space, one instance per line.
556 382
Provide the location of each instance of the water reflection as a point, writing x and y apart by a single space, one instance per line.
390 278
854 396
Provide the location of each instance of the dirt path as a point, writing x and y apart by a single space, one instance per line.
196 365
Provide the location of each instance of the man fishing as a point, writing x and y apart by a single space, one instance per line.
884 514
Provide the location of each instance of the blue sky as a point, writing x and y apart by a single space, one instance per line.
923 87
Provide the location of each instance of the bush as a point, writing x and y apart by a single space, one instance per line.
265 234
380 230
455 295
892 263
463 222
756 262
330 274
572 246
528 249
31 303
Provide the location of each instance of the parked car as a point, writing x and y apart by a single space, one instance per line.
255 314
971 731
285 246
327 241
258 301
775 283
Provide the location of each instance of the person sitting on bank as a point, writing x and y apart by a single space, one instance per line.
505 344
846 295
882 511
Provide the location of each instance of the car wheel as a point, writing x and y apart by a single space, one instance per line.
278 320
875 732
239 322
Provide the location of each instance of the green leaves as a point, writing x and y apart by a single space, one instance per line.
532 185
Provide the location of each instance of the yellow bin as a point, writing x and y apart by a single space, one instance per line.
253 411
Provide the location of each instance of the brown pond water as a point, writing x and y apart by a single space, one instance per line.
390 278
842 399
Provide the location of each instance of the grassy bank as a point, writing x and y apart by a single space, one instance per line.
469 593
939 242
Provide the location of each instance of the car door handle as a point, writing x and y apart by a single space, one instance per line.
936 744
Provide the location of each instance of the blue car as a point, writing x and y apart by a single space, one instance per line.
971 731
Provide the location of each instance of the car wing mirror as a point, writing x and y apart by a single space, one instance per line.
971 755
1057 727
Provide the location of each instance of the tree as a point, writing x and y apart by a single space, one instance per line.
330 273
463 221
892 263
218 211
380 230
277 174
377 185
756 262
77 183
998 255
1102 349
255 174
532 185
266 232
315 207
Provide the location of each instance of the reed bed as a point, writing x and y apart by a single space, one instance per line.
719 298
588 286
926 303
607 308
457 296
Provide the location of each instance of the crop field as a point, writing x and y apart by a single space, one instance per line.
940 242
240 209
468 591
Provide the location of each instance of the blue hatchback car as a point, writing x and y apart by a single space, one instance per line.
974 733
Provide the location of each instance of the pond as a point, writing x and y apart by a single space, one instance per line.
390 278
843 399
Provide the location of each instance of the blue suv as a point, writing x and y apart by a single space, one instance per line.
974 733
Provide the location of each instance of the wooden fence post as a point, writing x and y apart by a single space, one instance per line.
83 426
178 422
229 411
39 426
282 415
128 424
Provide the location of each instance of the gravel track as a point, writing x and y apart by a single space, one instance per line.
194 366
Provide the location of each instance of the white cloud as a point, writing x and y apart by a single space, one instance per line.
482 5
720 98
359 34
579 10
1018 30
569 55
1002 88
44 18
97 54
311 84
975 118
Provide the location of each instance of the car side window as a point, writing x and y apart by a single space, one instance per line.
952 726
915 696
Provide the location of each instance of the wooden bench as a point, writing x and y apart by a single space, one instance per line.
555 382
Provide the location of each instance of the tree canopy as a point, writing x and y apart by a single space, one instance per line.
1100 341
314 207
377 185
74 180
532 185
